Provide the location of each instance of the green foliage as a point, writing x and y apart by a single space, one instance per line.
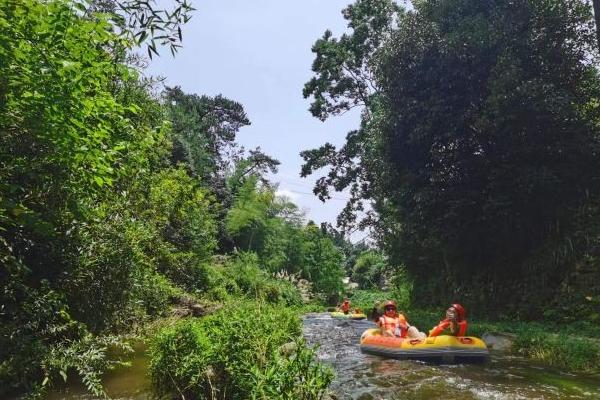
96 229
322 262
64 133
402 287
558 349
366 300
204 131
477 146
251 216
236 354
89 356
344 77
109 213
254 282
271 227
370 270
479 170
182 213
109 271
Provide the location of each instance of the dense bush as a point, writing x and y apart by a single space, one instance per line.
272 227
370 270
243 276
237 354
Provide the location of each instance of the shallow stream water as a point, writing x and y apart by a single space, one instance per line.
363 377
505 377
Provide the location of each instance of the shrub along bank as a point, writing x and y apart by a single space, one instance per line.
237 353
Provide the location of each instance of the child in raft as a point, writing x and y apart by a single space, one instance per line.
393 324
455 321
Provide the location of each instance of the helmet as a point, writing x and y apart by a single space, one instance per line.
460 311
389 303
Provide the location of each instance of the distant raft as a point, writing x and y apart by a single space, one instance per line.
447 349
341 315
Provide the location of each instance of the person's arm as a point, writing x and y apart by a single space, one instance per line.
441 327
462 328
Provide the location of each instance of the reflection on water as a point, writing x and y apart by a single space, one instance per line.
505 377
124 383
363 377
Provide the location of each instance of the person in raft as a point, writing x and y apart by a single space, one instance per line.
455 321
345 306
391 323
394 324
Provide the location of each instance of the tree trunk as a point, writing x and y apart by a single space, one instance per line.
596 4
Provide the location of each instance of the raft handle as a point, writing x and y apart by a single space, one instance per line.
466 340
414 341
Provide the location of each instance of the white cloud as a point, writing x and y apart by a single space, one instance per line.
282 192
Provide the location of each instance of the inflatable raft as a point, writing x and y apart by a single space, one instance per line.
447 349
338 314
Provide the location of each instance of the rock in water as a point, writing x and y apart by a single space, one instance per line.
501 341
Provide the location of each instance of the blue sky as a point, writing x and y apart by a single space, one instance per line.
258 52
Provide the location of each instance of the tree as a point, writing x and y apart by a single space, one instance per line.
204 142
70 137
480 144
369 270
142 22
204 130
344 79
322 262
251 217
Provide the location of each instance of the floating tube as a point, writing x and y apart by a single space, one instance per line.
341 315
447 349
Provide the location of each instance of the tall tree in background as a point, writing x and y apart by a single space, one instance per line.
204 142
343 80
480 143
205 130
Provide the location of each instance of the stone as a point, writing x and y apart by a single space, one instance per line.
288 348
500 341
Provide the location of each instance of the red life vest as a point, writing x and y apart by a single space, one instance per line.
345 307
445 324
397 325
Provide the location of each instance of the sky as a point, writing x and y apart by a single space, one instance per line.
258 52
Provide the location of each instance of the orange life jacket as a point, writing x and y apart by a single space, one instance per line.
397 325
445 324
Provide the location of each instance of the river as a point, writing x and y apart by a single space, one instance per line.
505 377
365 377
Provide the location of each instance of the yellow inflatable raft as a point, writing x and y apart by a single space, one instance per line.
446 349
338 314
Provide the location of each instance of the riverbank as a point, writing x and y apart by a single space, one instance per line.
251 349
573 347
